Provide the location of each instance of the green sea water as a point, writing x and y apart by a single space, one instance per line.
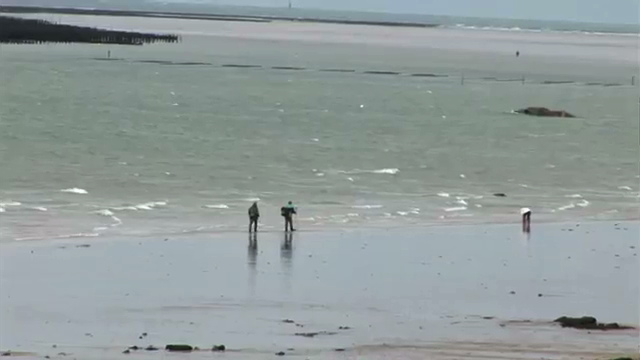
90 147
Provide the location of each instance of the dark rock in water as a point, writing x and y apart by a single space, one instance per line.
623 358
339 350
127 351
219 348
134 347
588 323
288 321
151 348
281 353
179 347
344 328
314 334
500 195
144 334
6 353
512 292
542 111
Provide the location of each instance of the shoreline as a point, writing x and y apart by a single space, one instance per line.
619 224
198 16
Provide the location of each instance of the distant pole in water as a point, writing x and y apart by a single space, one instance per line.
633 81
518 53
526 220
290 5
462 79
109 54
522 79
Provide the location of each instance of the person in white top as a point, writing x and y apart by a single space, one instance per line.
526 219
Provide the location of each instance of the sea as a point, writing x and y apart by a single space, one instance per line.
359 126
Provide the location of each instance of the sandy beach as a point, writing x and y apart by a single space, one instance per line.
472 292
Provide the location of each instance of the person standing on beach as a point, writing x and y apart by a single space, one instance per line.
526 220
254 215
287 212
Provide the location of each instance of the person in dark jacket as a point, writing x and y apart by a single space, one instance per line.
254 215
287 212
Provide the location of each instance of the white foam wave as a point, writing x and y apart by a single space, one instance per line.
402 213
150 205
254 199
75 191
458 208
567 207
444 194
40 208
461 201
2 210
105 212
367 206
10 203
574 196
122 208
583 203
387 171
625 188
218 206
65 236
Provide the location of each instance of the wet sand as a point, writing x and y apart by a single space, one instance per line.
472 292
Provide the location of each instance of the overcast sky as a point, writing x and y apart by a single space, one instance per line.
606 11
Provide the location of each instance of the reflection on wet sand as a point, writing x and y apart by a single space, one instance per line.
252 261
286 257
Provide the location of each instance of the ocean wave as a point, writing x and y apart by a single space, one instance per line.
219 206
254 199
40 208
443 194
367 206
389 171
583 203
457 208
567 207
2 210
64 236
574 196
10 203
540 30
150 205
105 212
628 188
75 191
123 208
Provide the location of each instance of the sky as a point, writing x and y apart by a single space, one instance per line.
602 11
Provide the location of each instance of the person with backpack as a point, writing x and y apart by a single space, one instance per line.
254 215
287 212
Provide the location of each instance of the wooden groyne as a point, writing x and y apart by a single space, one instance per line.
33 31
